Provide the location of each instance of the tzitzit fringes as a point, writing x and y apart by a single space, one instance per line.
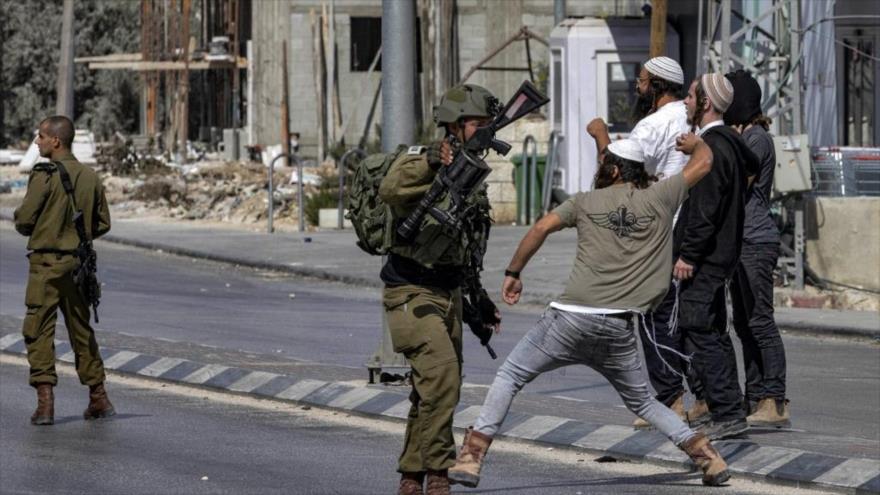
728 306
672 324
652 336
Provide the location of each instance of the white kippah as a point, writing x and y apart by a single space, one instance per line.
628 149
665 68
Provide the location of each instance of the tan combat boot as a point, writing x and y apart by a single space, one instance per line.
698 414
704 455
45 412
411 484
437 483
677 407
466 470
771 412
99 404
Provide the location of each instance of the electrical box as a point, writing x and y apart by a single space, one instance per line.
792 172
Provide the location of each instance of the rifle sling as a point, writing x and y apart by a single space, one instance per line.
78 221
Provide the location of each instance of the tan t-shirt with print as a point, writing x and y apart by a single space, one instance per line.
624 254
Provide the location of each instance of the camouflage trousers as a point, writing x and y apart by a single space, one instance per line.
50 288
425 326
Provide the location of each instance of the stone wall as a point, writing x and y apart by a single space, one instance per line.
843 240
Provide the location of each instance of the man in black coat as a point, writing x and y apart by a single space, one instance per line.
708 239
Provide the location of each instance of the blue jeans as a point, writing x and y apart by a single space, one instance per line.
561 338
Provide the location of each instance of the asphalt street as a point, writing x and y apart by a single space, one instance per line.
168 439
834 384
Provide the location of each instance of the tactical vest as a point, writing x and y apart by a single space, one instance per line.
438 244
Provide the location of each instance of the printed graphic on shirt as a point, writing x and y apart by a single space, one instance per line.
621 221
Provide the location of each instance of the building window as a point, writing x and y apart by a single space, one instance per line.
859 91
622 79
366 38
556 56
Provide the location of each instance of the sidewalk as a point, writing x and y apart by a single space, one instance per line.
333 255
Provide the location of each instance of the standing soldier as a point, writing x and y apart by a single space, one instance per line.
423 290
46 216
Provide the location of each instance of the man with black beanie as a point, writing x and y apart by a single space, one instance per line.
752 285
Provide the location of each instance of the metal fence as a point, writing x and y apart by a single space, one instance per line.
846 171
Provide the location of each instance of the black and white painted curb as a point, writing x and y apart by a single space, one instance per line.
783 465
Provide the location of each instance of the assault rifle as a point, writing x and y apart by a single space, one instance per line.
85 276
468 170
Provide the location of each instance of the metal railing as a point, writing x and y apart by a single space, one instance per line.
526 210
846 171
549 170
299 170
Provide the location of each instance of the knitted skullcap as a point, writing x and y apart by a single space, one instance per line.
628 149
718 89
665 68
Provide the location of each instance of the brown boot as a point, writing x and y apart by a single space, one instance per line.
771 412
466 470
411 484
704 455
437 483
677 407
698 414
45 412
99 404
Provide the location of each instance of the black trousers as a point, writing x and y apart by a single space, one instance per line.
703 324
667 383
752 294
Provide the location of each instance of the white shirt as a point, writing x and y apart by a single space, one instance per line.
585 310
656 133
714 123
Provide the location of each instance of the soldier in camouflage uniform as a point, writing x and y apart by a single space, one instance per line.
46 216
423 297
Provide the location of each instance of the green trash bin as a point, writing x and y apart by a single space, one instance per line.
528 202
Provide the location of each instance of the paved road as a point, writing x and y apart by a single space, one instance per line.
170 439
834 384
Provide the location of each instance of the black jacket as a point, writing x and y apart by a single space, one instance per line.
709 230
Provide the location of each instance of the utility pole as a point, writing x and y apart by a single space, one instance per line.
558 11
398 63
658 28
398 121
64 85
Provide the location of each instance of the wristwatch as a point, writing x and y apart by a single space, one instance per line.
511 273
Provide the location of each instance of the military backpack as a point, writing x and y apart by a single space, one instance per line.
370 216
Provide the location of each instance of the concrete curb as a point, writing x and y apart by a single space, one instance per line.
765 463
262 265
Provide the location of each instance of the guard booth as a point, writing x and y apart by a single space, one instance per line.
594 67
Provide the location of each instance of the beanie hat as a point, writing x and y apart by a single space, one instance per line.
665 68
627 149
746 98
718 89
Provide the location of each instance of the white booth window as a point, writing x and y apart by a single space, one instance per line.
556 55
621 88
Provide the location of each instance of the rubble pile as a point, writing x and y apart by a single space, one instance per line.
215 191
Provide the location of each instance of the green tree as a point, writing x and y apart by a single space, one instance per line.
30 38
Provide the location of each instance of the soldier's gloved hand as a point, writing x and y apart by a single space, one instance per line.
439 154
489 312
